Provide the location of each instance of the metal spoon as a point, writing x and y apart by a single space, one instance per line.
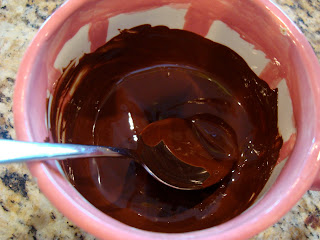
168 149
169 170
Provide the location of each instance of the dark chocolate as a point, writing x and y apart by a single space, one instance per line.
147 74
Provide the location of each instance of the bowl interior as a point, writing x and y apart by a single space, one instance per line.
89 29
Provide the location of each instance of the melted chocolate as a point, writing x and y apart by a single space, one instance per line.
147 74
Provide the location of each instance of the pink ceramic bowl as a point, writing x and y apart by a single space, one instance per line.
270 43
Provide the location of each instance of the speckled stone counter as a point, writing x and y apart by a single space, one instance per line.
24 212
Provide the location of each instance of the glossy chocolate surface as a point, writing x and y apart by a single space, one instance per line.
205 96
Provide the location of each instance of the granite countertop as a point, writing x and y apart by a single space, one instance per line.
24 211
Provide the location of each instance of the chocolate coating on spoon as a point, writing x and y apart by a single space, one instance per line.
147 74
173 147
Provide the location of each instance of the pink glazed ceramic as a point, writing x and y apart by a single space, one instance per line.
270 43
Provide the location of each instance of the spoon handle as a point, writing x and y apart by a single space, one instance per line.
16 151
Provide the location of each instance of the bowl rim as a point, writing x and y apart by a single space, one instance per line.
244 225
